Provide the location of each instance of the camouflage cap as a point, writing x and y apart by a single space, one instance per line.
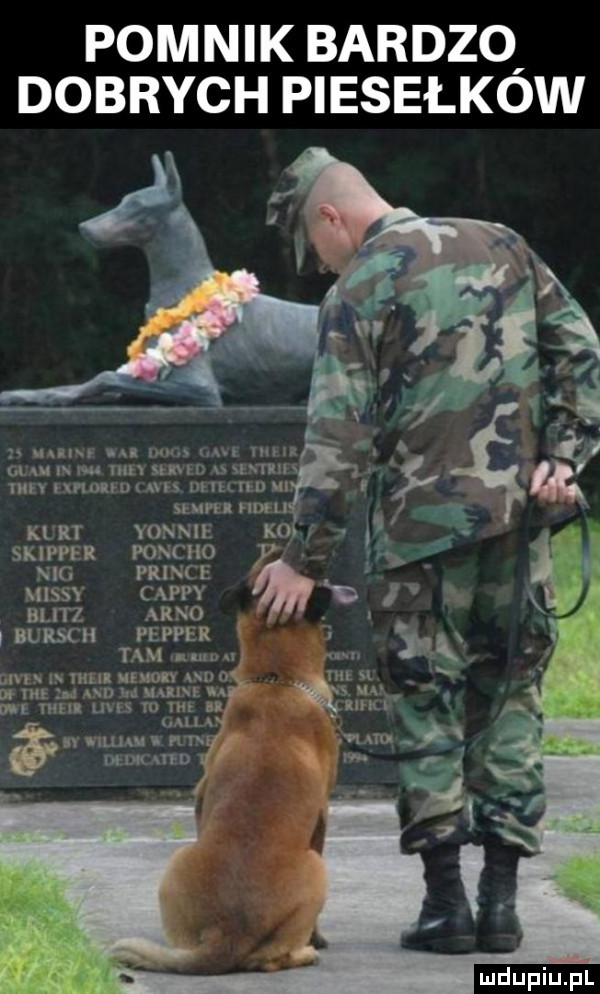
291 190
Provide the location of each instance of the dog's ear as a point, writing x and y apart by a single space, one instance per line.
342 596
236 598
317 603
326 595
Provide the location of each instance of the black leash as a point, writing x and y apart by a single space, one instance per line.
522 589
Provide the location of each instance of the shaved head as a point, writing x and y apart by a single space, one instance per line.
339 207
344 187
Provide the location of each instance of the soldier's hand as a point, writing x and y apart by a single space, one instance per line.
283 592
553 482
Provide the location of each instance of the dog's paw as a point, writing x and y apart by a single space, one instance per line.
308 957
125 953
305 956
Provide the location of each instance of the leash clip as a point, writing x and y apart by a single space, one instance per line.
335 716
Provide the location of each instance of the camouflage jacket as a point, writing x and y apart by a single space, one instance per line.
450 359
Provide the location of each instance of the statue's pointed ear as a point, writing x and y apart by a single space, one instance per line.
236 598
173 181
160 178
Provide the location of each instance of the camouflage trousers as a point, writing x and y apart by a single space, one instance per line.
440 629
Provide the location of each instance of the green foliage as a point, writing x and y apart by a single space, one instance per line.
177 830
579 878
590 481
56 323
579 821
115 834
572 683
44 950
32 837
569 746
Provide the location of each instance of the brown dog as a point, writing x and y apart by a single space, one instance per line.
246 895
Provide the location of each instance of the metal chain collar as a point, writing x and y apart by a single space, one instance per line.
272 678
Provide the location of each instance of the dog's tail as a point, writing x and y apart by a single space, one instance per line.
215 953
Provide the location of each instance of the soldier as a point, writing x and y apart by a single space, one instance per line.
457 372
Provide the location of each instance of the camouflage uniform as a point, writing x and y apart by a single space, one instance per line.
440 633
450 360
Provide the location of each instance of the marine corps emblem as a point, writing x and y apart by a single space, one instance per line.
27 759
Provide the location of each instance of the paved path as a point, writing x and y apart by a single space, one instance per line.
373 890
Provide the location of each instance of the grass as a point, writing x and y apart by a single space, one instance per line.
32 837
587 822
572 682
43 950
572 690
567 745
114 835
175 831
579 878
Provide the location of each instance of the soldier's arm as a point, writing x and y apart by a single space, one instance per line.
570 371
339 436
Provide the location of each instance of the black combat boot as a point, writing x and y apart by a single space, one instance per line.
497 925
445 924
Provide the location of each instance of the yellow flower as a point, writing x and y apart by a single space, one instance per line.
194 302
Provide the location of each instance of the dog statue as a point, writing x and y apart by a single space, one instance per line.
264 358
246 894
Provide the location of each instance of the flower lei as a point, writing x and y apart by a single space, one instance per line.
203 314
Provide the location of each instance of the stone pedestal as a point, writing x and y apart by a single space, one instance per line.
120 527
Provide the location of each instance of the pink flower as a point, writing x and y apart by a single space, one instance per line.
144 367
207 326
217 316
244 285
180 347
223 313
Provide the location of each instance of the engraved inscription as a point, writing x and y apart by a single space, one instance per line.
118 540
